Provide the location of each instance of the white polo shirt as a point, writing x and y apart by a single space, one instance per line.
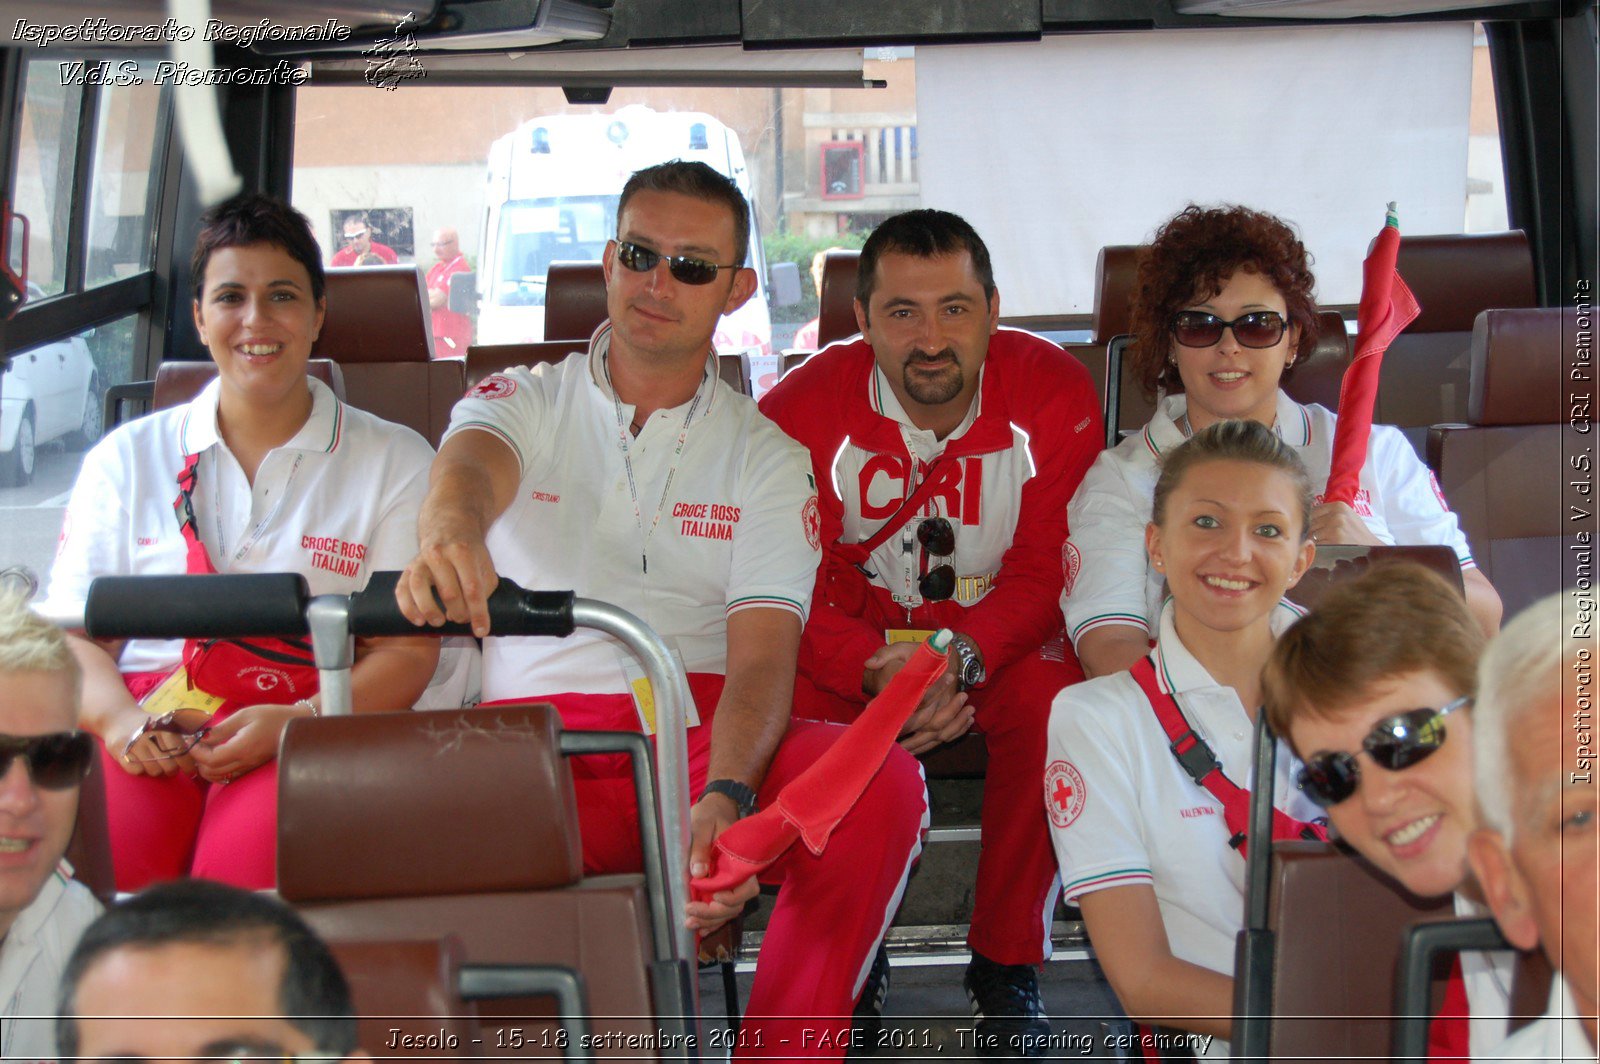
1557 1037
738 526
336 503
32 958
1109 578
1123 812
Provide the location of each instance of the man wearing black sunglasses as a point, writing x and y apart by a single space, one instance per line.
631 474
945 449
43 759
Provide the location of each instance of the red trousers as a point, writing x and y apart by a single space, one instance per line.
832 909
1017 877
169 827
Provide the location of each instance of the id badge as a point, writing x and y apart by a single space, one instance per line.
175 693
906 635
644 699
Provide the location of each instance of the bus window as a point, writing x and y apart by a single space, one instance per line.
1486 175
47 144
120 214
91 140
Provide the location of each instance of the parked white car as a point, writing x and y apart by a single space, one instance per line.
49 393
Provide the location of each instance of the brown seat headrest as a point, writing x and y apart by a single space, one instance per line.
389 805
1116 271
489 359
1456 276
376 314
1517 365
416 979
574 300
836 312
1319 374
180 382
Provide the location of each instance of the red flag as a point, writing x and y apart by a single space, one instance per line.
1387 307
814 802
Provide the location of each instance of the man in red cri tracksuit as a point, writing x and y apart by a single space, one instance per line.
945 449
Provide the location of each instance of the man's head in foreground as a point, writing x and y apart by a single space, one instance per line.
43 757
1534 753
240 975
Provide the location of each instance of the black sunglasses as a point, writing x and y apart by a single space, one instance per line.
1259 328
938 538
1395 743
55 762
682 268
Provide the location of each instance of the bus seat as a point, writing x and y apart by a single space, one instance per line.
574 300
1338 924
794 359
1337 562
418 395
400 825
734 369
1093 359
1116 271
1316 378
1513 521
89 852
1426 372
836 309
375 314
487 359
414 981
179 382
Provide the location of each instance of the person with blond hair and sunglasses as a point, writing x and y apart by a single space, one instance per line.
1374 690
43 760
1223 312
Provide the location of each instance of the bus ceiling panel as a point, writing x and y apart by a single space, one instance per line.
465 26
720 65
1333 10
783 23
81 24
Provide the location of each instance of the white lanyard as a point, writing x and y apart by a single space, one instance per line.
625 439
254 534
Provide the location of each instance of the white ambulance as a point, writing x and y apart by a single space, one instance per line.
553 186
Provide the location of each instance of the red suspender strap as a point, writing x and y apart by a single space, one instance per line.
197 561
857 553
241 671
1204 768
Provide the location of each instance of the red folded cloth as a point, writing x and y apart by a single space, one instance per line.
812 805
1387 307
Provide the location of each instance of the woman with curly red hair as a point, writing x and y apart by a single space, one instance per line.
1224 309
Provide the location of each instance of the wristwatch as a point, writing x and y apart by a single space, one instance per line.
742 795
968 661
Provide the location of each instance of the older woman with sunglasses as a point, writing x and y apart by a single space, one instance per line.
1223 311
1146 786
1374 689
266 470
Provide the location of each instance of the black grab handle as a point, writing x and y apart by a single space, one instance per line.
197 606
512 611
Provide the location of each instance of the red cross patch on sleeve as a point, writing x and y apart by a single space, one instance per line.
493 387
1071 562
811 518
1064 793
